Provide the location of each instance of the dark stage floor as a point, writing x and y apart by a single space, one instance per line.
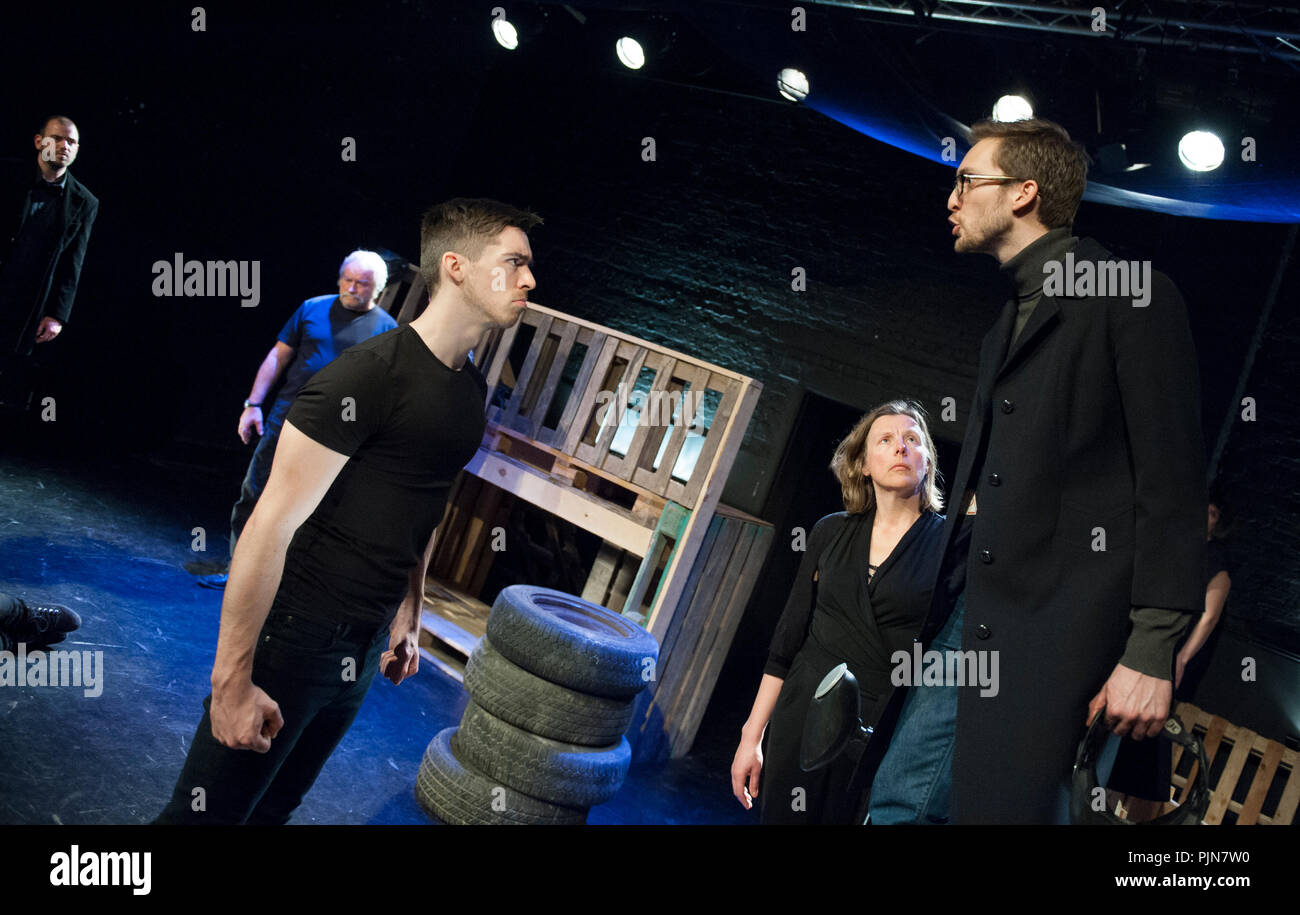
112 539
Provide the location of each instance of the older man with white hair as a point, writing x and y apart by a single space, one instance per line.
318 331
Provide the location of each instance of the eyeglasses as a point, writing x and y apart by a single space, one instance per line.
962 184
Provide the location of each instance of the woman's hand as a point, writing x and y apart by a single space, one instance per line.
745 770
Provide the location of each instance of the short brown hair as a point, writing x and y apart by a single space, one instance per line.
1041 150
465 225
858 492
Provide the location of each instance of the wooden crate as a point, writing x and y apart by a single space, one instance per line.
673 559
1252 779
696 644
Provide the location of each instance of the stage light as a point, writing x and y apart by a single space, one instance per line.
506 35
1012 108
630 53
792 84
1201 151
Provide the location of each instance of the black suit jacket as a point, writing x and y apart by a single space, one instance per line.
66 248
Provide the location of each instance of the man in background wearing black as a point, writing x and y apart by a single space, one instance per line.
45 219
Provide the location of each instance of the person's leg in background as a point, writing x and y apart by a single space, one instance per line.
914 784
35 624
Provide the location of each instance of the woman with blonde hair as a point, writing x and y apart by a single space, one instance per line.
861 593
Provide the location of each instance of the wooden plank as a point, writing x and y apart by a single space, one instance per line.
483 567
602 573
440 663
674 671
537 415
1270 756
645 571
622 584
666 601
625 467
485 348
466 612
649 722
703 635
658 480
417 297
637 341
691 592
1228 776
671 523
606 521
477 534
617 383
1286 805
452 529
504 345
393 286
702 686
718 438
587 406
449 632
1214 730
566 467
512 414
595 343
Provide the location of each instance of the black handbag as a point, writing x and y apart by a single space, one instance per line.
1083 781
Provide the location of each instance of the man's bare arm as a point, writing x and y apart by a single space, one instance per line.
301 474
402 659
268 373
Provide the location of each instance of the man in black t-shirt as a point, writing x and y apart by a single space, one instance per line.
331 565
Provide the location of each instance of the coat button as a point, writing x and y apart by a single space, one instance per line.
1007 406
983 632
995 480
986 557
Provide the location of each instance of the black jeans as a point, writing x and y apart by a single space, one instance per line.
318 673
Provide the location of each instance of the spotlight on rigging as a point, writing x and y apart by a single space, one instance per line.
505 34
630 53
1201 151
1012 108
792 84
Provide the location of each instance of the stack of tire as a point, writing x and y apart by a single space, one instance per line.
552 687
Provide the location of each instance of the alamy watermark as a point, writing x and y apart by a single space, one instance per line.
1111 279
658 408
946 668
59 668
103 868
208 279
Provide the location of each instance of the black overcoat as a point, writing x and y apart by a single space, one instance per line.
1085 451
64 253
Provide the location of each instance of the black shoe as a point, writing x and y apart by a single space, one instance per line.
215 582
43 624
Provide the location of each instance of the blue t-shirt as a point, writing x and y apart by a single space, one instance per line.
318 331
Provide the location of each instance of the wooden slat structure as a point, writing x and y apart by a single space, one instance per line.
632 442
1253 779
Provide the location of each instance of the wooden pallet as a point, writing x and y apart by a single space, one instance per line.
451 623
1254 779
549 442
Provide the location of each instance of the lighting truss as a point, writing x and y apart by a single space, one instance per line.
1218 25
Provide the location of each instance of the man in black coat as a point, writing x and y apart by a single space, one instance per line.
45 219
1075 543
